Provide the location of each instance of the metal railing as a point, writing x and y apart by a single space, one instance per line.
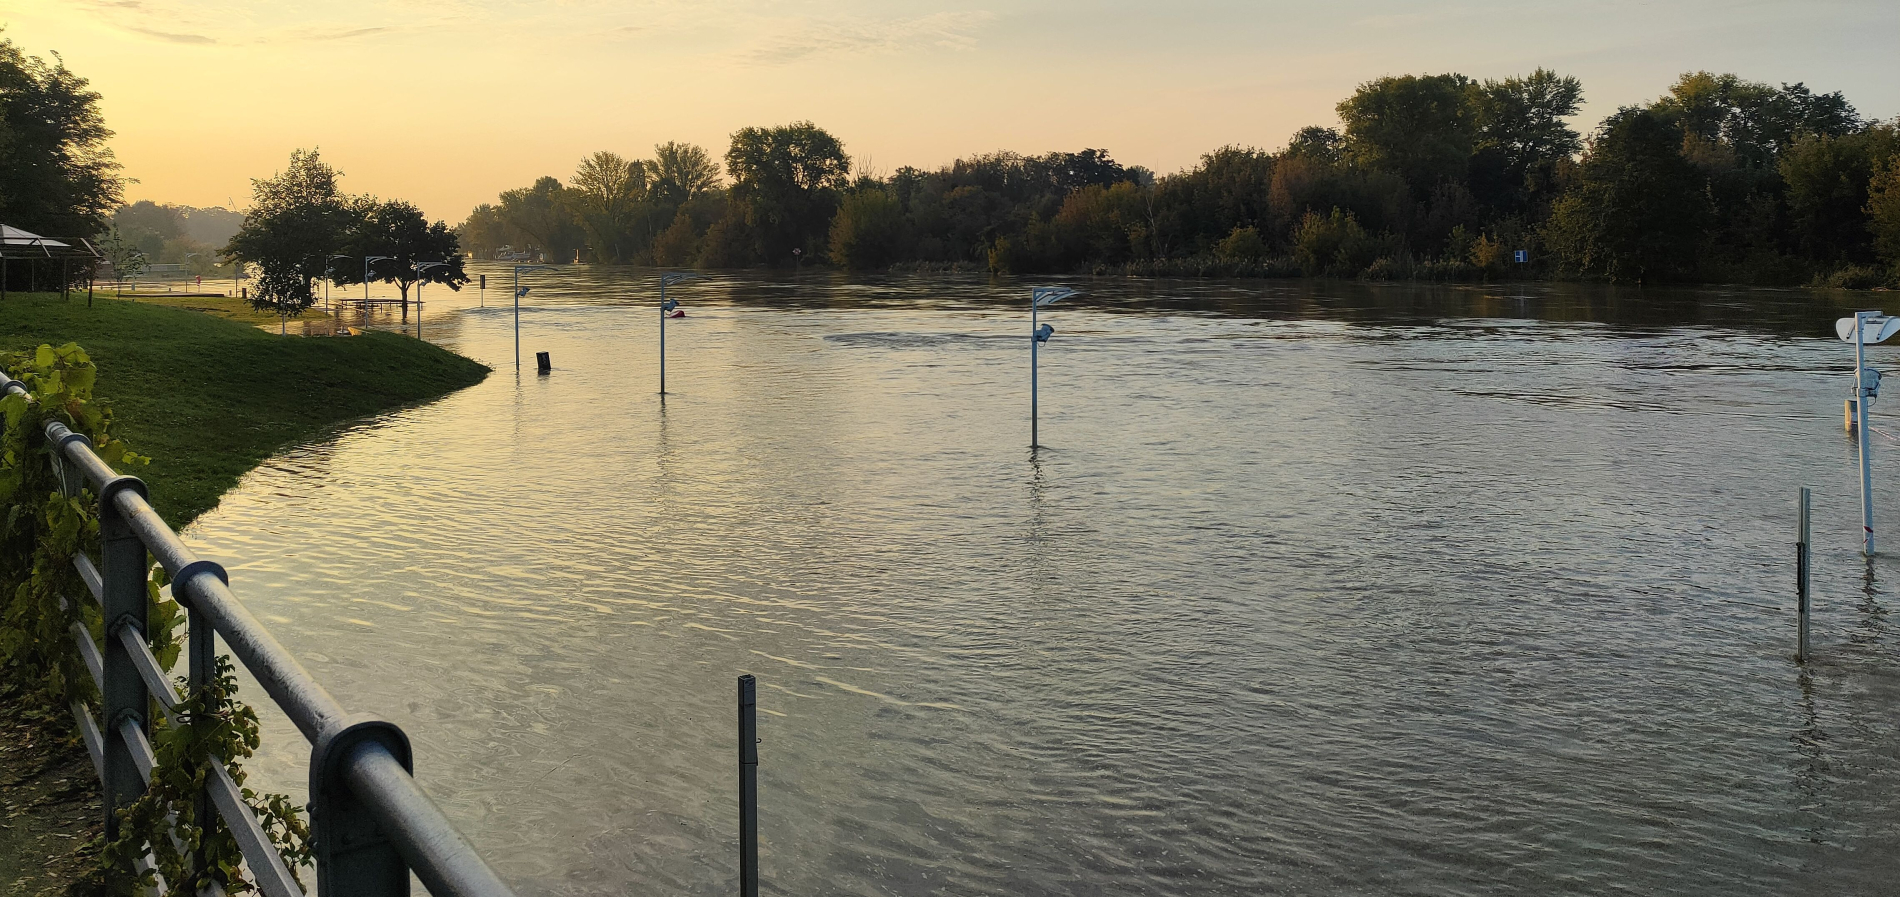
371 825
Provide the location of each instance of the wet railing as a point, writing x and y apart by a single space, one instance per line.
371 825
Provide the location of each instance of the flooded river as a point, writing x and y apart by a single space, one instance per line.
1314 588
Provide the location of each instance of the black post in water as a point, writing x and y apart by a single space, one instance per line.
748 788
1801 570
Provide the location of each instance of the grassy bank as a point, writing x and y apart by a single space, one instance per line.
208 398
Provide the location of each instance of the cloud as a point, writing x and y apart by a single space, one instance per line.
346 35
808 38
169 36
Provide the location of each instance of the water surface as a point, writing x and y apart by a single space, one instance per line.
1329 589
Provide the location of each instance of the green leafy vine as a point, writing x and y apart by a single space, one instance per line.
42 528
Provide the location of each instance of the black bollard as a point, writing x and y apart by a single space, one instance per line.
1802 561
748 788
542 363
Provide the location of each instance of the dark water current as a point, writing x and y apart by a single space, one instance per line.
1315 589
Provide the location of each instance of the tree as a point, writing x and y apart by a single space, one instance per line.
125 257
1883 212
1755 121
57 177
1638 209
542 213
868 230
298 218
1420 127
399 230
149 226
1827 181
786 182
1522 137
1314 142
682 172
606 196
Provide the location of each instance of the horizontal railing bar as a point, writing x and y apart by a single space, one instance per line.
283 678
89 733
155 681
89 651
88 571
79 452
427 841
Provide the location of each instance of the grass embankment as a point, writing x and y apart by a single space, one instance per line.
207 398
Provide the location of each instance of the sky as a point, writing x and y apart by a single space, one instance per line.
446 103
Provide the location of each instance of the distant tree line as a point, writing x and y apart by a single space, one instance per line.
1436 177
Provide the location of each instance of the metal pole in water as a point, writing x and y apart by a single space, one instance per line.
1033 344
1801 569
1860 412
662 336
517 319
748 788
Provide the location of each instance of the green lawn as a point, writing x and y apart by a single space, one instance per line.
208 398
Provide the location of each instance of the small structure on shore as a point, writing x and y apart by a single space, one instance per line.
20 245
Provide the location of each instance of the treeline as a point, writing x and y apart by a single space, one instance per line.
1437 177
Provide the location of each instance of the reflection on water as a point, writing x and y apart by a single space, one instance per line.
1316 588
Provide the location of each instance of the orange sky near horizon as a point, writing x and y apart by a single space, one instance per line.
447 102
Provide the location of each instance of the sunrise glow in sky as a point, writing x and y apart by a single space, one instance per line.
447 102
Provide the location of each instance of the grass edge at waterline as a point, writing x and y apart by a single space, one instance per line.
209 398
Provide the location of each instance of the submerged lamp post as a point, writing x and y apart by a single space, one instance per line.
1863 328
419 268
521 291
1039 334
366 262
666 308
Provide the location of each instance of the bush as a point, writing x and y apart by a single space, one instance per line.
868 230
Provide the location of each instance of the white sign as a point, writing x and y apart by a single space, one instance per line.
1873 329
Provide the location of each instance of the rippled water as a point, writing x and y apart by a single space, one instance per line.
1314 589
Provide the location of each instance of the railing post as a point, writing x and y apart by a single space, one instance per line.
123 570
354 855
748 787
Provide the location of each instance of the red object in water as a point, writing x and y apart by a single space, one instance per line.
678 314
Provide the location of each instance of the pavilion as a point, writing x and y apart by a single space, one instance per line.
18 245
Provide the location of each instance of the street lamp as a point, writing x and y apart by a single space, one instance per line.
666 308
366 262
1039 334
521 291
420 267
1863 328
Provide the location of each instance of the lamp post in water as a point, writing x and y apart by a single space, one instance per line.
521 291
1864 328
1039 334
419 268
366 262
666 308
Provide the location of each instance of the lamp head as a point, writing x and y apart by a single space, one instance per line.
1043 296
669 305
1044 332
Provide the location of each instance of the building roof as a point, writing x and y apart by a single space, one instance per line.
17 243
